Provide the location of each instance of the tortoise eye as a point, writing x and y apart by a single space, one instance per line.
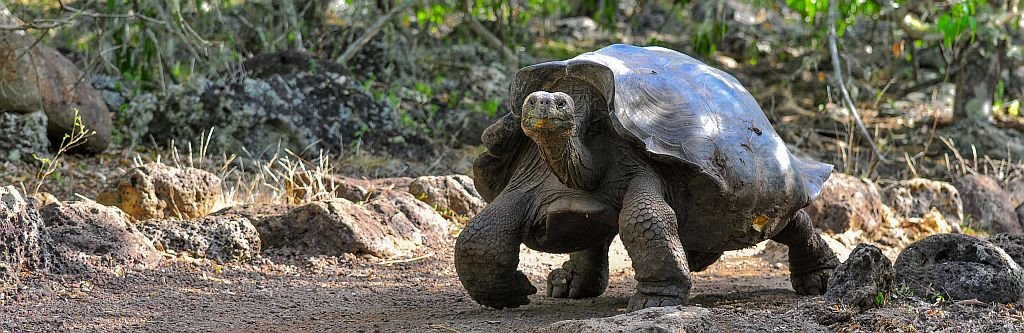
560 103
531 102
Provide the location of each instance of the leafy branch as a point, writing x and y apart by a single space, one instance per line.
78 136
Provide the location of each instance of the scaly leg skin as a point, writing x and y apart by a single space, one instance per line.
585 274
487 254
648 229
811 261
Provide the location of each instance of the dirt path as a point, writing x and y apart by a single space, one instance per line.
347 294
283 293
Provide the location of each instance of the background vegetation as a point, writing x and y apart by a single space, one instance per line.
430 59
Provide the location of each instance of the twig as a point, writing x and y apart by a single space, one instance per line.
401 261
444 327
836 68
372 31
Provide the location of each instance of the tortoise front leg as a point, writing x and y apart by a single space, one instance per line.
487 254
811 261
585 274
648 228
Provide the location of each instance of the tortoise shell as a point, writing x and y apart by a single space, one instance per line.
707 137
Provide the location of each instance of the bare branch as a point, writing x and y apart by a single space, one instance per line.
836 68
372 31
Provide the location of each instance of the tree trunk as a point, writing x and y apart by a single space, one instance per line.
976 82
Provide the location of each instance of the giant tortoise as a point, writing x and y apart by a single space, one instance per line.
648 143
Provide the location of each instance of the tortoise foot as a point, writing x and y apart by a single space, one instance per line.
813 283
571 283
510 295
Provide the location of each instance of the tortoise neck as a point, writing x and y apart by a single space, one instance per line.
555 149
562 154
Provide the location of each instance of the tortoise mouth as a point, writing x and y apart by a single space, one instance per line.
546 125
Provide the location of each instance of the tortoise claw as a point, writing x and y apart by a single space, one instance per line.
641 301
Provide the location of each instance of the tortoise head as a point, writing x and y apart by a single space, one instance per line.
548 116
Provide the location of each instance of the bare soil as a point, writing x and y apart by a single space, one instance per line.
286 293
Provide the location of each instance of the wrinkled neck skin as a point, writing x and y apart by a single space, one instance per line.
570 159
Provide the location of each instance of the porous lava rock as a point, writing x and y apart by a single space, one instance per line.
20 227
859 280
84 237
221 237
960 267
156 191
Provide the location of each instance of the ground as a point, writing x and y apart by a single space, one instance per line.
290 294
284 293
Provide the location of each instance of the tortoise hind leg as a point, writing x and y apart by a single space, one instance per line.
585 274
811 261
700 261
649 230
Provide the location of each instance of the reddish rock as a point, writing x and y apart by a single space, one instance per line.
83 237
847 203
1015 188
389 224
987 206
35 76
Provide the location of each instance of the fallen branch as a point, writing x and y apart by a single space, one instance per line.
837 69
402 261
372 31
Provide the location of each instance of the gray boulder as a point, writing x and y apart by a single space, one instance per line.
987 205
20 228
960 267
221 237
21 135
288 100
859 280
84 237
